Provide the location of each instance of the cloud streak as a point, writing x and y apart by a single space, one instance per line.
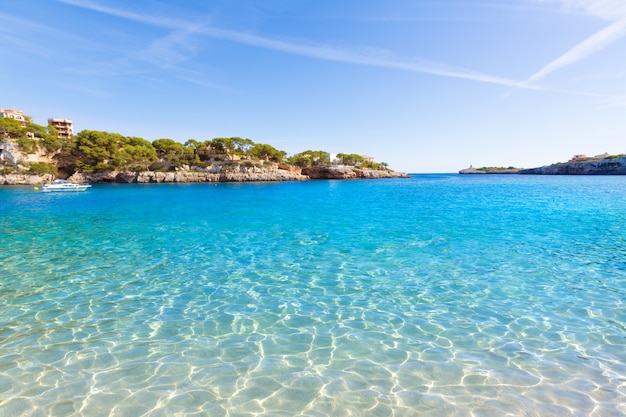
318 52
613 10
19 32
589 46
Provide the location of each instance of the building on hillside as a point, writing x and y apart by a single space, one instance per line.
585 158
579 158
17 115
64 128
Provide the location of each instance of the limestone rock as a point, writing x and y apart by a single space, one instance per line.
24 179
343 173
221 173
607 166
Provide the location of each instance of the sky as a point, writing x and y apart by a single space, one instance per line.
426 86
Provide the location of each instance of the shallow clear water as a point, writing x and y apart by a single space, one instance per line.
438 295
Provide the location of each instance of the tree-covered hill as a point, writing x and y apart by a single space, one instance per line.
35 149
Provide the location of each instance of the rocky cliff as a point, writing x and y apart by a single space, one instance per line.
344 173
192 176
274 173
23 179
608 166
187 176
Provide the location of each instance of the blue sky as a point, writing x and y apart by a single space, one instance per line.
426 86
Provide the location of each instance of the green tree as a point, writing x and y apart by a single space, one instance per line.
102 150
266 153
204 150
241 146
311 158
192 143
137 154
42 168
11 128
173 152
96 150
39 131
194 146
351 159
222 146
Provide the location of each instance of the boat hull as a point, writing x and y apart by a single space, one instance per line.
63 186
65 190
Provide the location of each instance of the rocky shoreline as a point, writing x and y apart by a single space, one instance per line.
279 173
606 166
346 173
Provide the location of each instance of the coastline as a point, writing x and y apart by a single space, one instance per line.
606 166
615 165
279 173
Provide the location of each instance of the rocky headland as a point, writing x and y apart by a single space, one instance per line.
609 165
606 166
15 163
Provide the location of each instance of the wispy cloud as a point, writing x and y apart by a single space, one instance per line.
612 10
18 32
589 46
615 101
170 50
9 22
314 51
23 35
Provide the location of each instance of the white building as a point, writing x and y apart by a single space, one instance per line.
17 115
64 128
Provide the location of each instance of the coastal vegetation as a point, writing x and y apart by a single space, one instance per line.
490 170
495 168
91 151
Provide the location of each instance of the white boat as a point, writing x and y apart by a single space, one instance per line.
63 186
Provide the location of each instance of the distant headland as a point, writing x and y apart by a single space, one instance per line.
32 154
604 164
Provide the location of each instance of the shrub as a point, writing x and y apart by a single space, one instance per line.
27 145
158 167
51 144
249 164
103 166
42 168
137 168
81 166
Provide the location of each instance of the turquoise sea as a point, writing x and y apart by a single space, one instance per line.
437 295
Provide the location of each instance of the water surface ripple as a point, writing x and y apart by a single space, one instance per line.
440 295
